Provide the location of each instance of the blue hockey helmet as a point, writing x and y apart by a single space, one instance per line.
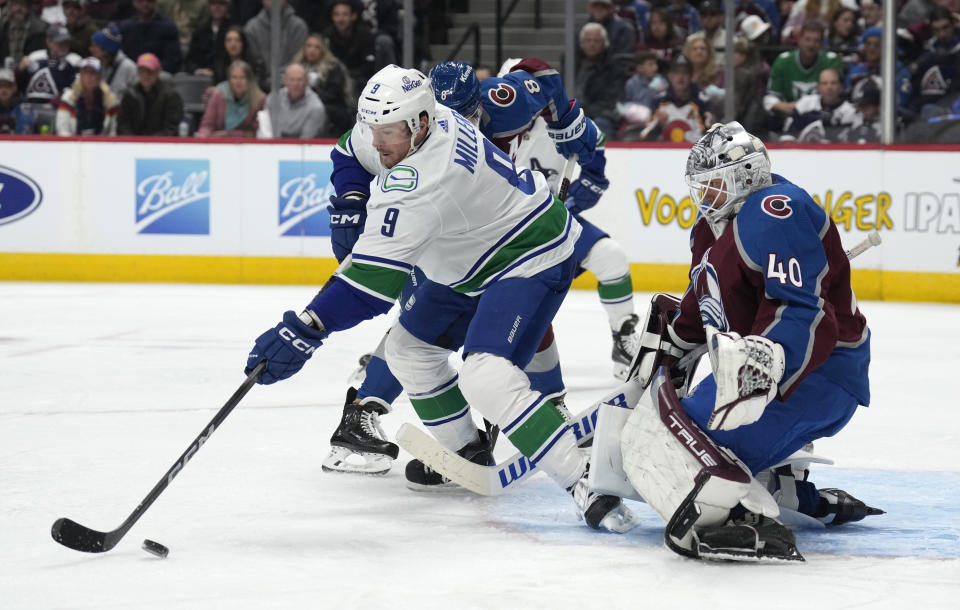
455 85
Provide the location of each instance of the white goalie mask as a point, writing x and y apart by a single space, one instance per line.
397 94
724 167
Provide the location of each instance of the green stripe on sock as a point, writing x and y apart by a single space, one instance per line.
616 290
442 405
531 435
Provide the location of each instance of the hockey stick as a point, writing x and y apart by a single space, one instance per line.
873 239
494 480
71 534
568 167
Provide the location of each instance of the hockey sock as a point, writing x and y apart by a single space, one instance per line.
379 384
544 370
446 414
617 300
607 261
501 392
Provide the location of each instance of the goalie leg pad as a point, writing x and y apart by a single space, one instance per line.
664 456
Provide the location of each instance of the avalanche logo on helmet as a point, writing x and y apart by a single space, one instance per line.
503 95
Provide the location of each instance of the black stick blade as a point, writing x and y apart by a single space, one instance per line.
72 535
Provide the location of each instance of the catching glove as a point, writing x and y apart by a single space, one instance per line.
747 371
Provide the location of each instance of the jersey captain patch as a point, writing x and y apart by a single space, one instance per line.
776 206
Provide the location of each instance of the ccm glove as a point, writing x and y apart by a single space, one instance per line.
286 347
574 134
585 192
347 215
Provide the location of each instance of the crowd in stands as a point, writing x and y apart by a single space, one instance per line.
804 70
654 70
191 67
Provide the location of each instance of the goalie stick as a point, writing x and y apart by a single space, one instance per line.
494 480
873 239
78 537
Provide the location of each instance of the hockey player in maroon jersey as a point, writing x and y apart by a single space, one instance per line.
789 349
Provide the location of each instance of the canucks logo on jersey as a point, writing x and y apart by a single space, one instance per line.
401 178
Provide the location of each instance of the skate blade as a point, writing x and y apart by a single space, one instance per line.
440 488
351 462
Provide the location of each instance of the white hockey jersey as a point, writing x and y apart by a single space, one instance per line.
459 209
538 152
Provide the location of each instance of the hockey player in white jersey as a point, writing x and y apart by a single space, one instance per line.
358 444
497 247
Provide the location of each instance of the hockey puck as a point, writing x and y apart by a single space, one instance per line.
155 548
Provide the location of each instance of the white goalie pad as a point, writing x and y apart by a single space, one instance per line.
606 460
664 452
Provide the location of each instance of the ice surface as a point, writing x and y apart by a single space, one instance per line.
102 386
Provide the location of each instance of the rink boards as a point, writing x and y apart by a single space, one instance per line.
255 212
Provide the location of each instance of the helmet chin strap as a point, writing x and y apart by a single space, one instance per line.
414 147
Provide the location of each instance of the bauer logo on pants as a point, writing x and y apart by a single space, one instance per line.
19 195
304 191
173 196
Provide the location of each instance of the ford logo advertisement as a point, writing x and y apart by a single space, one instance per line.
19 195
304 191
173 196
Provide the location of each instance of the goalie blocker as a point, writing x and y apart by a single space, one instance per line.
713 506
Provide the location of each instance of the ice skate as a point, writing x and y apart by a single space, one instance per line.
421 477
748 537
359 444
838 507
626 342
601 511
